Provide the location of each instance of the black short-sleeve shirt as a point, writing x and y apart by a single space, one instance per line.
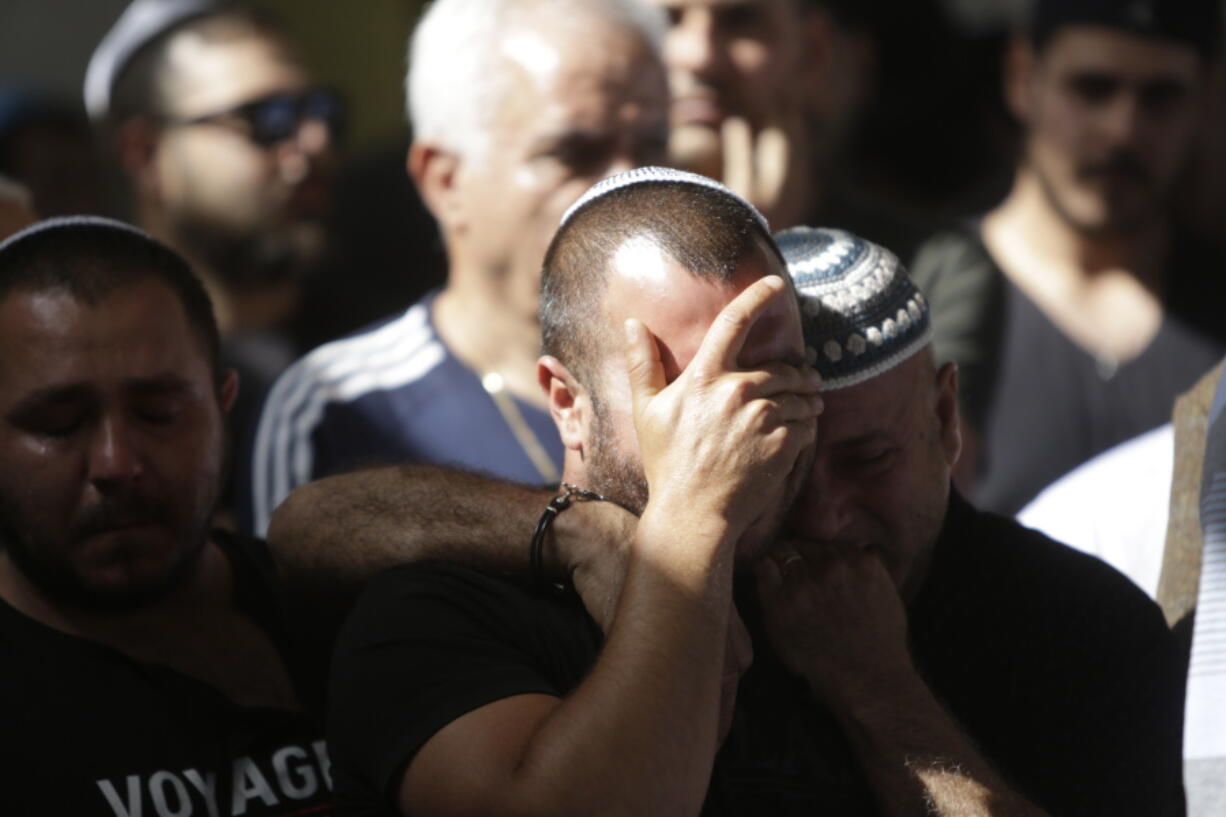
1058 668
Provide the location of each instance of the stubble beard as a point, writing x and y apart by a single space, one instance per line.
1112 223
48 565
281 254
609 473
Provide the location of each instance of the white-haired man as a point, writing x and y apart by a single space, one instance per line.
516 109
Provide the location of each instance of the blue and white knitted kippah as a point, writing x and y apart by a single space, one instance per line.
642 175
861 312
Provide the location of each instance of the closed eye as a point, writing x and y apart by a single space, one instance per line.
865 462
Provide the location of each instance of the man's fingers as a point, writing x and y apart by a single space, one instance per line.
724 340
771 379
771 162
798 408
736 144
643 364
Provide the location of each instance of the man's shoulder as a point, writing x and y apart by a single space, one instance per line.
1053 661
426 644
1025 573
955 250
413 594
141 729
393 353
446 615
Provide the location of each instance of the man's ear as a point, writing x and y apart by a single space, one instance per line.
135 143
947 412
569 403
227 393
435 170
1018 76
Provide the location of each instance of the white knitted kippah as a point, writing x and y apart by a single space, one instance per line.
140 23
642 175
860 309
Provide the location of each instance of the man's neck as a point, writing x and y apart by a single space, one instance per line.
207 587
197 629
1103 291
236 310
490 338
1040 237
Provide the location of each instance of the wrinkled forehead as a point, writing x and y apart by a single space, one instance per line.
50 337
678 306
881 405
553 81
584 46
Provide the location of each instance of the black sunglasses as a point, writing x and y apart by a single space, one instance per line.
278 117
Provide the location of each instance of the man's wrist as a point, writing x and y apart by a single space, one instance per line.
685 540
865 693
586 532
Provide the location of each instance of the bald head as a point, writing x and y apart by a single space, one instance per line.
706 230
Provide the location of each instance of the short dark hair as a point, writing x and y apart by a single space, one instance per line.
90 257
1196 24
704 229
137 89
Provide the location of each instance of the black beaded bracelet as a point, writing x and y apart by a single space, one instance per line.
559 503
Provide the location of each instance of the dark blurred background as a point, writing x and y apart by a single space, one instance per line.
932 137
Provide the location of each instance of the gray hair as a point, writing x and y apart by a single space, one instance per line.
454 81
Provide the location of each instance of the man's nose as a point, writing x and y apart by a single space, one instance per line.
822 511
311 144
1121 119
314 137
114 454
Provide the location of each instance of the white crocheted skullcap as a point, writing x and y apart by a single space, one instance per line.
141 23
860 309
644 175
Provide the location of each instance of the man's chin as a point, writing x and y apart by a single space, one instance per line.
110 580
121 588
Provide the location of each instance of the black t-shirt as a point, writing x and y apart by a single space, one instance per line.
1058 668
89 731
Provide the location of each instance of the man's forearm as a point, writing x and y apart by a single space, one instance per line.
336 532
639 734
917 759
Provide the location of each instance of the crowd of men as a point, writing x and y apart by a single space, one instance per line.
663 503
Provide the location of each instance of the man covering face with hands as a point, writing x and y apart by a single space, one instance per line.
801 616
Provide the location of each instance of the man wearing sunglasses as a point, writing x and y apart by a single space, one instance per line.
226 148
